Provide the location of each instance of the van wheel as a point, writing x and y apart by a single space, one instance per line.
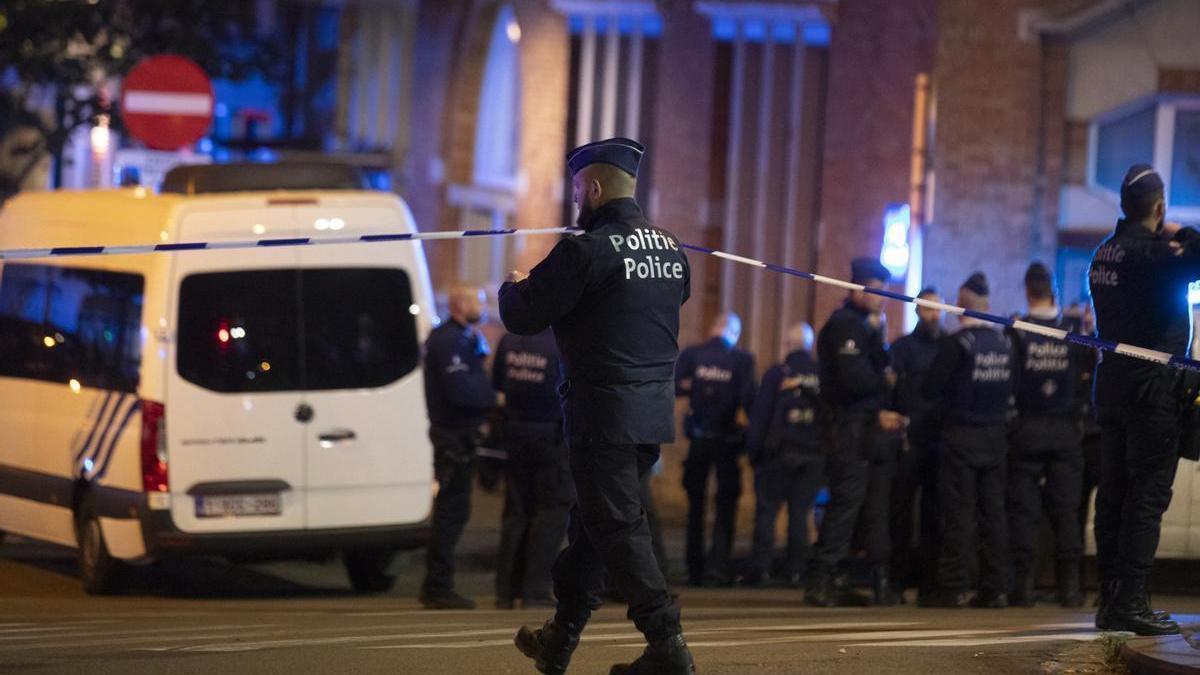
368 570
97 568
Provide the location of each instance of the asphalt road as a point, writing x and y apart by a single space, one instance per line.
210 617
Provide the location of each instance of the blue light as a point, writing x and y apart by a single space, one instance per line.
1194 293
895 253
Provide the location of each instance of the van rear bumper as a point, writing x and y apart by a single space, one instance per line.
164 540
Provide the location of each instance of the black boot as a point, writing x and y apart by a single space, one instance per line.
550 646
819 592
1129 611
1069 595
990 600
1104 600
669 656
881 587
1023 594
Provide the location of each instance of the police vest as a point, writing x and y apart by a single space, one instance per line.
982 386
531 374
795 421
1048 371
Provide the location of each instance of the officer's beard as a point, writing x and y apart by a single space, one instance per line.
473 318
585 214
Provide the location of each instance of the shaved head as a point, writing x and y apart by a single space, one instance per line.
466 303
728 327
799 338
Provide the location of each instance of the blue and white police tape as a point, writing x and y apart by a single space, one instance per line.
1160 357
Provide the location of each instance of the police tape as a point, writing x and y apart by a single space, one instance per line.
1155 356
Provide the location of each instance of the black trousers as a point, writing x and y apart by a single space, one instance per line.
1090 479
973 484
454 467
847 473
537 500
612 533
1138 458
874 534
705 454
795 482
656 537
915 501
1044 448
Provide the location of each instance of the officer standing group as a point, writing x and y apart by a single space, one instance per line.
1145 264
459 396
718 380
612 296
538 494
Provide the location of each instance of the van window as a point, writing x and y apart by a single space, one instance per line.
64 323
239 331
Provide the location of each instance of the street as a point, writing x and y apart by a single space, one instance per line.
208 616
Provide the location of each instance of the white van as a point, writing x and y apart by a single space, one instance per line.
234 402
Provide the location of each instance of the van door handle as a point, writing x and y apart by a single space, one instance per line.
329 438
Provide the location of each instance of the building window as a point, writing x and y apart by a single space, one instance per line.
1163 131
1122 142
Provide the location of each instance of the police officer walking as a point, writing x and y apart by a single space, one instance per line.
718 380
917 468
1045 446
539 493
459 396
1139 278
612 296
784 445
856 384
973 374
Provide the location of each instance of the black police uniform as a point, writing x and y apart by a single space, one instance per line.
785 447
459 395
853 362
917 469
718 380
1139 283
539 491
1045 444
612 296
973 374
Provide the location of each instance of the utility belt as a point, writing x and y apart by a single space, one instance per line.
696 431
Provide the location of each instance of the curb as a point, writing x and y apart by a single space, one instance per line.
1168 655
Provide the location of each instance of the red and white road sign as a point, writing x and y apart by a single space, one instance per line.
167 102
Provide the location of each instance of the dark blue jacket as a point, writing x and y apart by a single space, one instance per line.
458 393
973 374
718 380
612 296
1139 284
853 359
786 421
912 355
1047 371
527 370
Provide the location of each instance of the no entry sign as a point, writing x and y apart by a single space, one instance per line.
167 102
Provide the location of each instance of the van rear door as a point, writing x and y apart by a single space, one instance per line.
368 457
235 413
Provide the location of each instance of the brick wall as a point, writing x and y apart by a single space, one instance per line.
992 89
877 50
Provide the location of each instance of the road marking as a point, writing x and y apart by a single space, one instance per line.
971 642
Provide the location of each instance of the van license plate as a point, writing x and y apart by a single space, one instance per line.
220 506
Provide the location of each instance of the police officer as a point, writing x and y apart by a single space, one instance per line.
1139 278
784 446
539 492
612 296
856 384
917 468
973 374
1045 446
718 380
459 396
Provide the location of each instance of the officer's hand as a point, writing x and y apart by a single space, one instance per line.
517 276
891 421
743 420
790 383
1169 230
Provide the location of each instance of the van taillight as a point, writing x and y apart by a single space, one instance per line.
154 447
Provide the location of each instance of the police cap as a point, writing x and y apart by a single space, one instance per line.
863 270
1142 187
977 283
623 153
